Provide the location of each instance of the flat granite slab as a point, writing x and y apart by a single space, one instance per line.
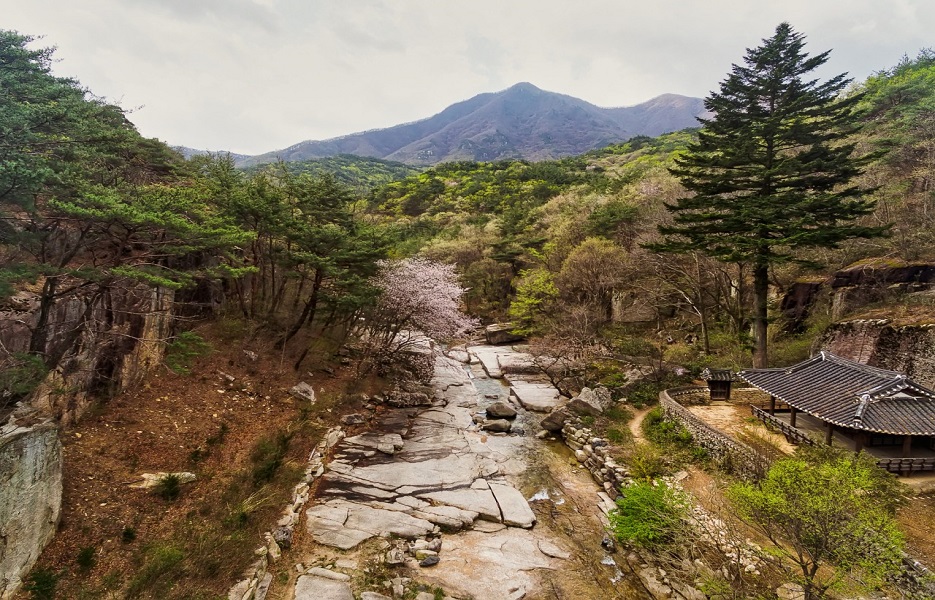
488 357
310 587
513 506
538 397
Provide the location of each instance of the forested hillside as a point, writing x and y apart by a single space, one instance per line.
115 249
558 246
90 209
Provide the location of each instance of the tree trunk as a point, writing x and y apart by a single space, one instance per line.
37 342
308 313
760 293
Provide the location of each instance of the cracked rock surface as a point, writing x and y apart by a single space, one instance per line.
430 473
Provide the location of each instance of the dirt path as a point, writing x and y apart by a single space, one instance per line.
636 424
509 516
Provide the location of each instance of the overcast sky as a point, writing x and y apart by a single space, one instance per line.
252 76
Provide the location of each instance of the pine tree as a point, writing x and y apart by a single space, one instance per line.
770 172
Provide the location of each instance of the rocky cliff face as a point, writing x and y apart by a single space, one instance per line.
107 343
30 498
121 340
909 349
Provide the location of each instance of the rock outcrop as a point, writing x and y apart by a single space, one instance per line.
100 344
30 498
909 349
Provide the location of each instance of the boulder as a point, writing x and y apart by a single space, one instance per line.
352 419
535 396
582 408
303 391
501 410
555 420
283 536
151 480
501 333
599 398
497 425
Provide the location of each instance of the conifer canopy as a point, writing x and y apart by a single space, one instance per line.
770 173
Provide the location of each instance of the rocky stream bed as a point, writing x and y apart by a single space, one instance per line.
435 500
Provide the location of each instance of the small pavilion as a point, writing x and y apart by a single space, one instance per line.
719 381
876 408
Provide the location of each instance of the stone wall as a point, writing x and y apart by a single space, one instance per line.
726 451
592 452
257 578
30 498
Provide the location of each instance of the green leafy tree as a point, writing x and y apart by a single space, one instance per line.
770 172
536 296
827 508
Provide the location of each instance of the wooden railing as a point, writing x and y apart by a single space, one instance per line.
793 434
906 466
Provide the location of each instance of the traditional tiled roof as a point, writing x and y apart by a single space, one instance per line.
850 394
710 374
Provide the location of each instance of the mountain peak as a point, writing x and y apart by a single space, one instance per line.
523 86
522 121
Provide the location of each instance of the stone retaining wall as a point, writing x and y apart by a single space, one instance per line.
592 452
732 455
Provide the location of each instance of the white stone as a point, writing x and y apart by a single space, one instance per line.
310 587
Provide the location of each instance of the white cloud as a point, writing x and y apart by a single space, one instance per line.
256 75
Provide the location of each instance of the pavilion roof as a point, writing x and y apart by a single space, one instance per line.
850 394
710 374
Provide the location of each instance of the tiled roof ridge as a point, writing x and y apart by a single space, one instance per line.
828 356
852 394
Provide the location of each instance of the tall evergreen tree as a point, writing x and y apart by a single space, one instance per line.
770 172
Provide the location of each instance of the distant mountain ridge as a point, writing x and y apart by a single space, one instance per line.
521 122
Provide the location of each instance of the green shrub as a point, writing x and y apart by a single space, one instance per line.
168 487
267 457
128 535
645 462
87 557
643 394
182 351
664 432
650 515
619 436
21 374
160 560
41 584
619 414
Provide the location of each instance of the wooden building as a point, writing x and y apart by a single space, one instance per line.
874 407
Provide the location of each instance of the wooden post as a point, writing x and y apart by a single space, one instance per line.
829 435
772 405
907 446
859 441
793 413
